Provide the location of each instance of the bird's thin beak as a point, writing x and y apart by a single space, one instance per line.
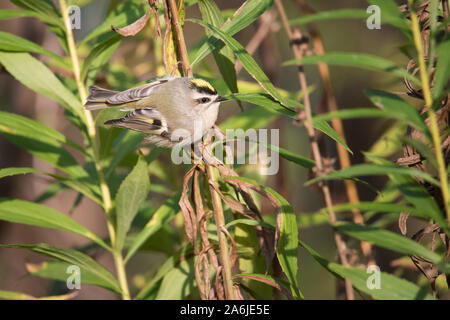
220 99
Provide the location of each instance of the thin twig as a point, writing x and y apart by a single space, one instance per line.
295 35
106 195
180 38
344 159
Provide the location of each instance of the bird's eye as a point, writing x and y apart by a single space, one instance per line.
205 100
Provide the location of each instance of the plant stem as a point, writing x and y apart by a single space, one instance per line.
217 202
106 195
180 39
344 158
340 245
434 127
220 223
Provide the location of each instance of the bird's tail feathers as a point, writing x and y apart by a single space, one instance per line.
97 98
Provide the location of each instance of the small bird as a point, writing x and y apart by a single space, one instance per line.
171 110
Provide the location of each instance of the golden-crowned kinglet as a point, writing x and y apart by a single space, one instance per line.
170 110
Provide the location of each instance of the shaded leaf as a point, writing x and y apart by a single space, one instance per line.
73 257
360 60
247 61
387 239
19 211
132 193
330 15
35 75
58 271
247 14
161 217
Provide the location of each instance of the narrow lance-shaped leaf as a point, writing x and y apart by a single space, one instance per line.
13 43
35 75
287 246
99 56
71 183
414 192
224 57
72 257
393 104
162 216
247 62
19 211
373 169
58 270
359 60
391 287
132 193
442 68
331 15
251 10
388 240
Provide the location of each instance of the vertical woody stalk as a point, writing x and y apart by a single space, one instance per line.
106 195
295 35
217 203
344 159
434 128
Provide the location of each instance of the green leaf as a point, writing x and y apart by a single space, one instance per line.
247 62
359 60
224 57
132 193
11 14
267 102
387 239
414 192
391 287
161 217
329 131
35 75
248 118
108 134
127 144
373 169
19 211
397 108
330 15
249 222
287 246
99 56
13 43
391 14
185 253
389 143
249 13
178 282
442 68
72 183
22 126
47 12
72 257
21 131
58 271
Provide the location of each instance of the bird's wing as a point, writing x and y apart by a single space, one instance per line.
136 93
148 120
